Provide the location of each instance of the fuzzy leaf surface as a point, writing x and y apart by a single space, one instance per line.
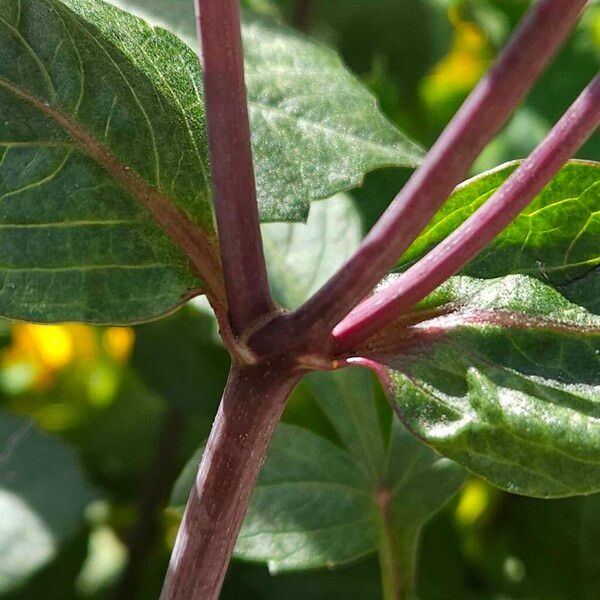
316 129
97 111
502 376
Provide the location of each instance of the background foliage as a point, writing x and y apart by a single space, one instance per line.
104 419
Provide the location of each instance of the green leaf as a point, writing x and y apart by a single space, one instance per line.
503 376
43 493
98 111
302 257
311 508
555 239
115 441
317 502
316 130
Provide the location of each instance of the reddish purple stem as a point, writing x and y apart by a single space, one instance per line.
447 164
381 309
234 187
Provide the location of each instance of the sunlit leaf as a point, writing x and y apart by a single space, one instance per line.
319 504
555 239
502 376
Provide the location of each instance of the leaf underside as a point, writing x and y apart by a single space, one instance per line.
75 244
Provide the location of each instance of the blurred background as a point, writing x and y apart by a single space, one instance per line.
104 419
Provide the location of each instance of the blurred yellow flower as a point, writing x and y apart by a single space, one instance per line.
466 62
118 342
48 349
474 501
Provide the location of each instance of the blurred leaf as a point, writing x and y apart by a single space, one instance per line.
250 582
43 493
554 239
504 556
576 64
181 359
58 575
115 442
503 377
301 257
409 37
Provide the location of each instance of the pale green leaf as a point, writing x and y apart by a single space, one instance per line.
302 257
43 493
317 502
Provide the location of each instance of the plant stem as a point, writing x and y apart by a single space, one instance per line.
251 407
381 309
397 552
160 478
234 187
388 556
486 110
304 11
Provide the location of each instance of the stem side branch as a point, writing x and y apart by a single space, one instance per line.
486 110
446 259
234 187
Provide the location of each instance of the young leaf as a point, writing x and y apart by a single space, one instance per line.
316 130
43 493
101 120
503 377
555 239
317 503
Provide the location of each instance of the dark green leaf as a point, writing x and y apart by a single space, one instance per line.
181 359
99 111
407 39
254 582
555 239
79 78
43 493
503 376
